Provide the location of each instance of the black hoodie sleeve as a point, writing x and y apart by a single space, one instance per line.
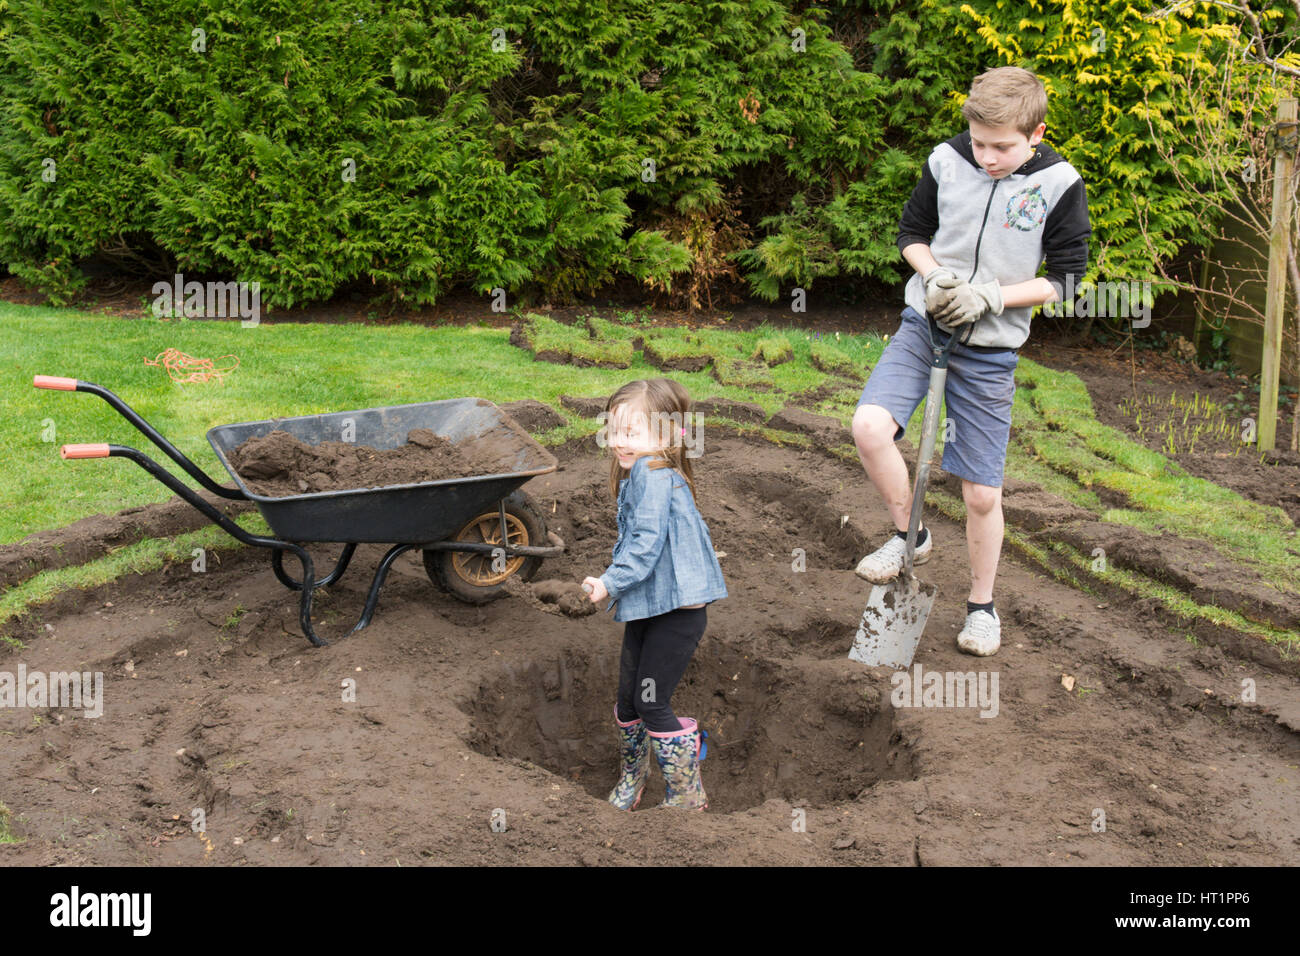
920 220
1065 238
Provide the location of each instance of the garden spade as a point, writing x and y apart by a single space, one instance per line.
895 617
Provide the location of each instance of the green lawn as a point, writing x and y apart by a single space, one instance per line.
293 369
287 369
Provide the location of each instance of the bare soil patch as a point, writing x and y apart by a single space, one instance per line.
214 701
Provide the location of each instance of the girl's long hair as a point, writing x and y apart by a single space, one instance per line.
666 397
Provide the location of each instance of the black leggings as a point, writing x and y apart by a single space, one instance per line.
656 651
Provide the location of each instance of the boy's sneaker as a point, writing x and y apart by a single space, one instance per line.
982 635
886 562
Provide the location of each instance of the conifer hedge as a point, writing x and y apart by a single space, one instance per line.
549 147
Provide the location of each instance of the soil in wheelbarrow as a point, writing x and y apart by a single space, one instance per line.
451 733
278 464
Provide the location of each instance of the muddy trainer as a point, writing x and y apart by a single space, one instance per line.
993 206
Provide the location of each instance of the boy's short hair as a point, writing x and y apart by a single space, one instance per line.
1007 96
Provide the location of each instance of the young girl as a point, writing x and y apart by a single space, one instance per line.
663 573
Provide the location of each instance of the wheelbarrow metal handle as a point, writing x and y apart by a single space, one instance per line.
149 432
308 584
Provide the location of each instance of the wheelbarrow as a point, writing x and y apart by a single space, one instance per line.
475 532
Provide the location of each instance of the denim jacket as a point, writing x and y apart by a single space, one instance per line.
664 557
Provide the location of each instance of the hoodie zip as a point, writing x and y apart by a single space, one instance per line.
980 237
989 205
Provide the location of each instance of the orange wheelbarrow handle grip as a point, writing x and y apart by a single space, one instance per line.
84 451
54 381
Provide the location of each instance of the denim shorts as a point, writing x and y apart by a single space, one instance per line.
978 394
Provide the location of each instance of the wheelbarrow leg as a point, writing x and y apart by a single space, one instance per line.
308 585
372 599
277 565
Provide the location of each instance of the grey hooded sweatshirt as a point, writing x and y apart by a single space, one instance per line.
1005 229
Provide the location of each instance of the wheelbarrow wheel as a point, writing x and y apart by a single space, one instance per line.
471 577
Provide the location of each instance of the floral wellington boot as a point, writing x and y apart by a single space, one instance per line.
635 756
678 754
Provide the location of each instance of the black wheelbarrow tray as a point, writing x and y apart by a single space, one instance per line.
476 532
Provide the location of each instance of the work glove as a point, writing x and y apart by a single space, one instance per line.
968 302
939 284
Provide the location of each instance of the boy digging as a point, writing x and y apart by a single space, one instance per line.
993 205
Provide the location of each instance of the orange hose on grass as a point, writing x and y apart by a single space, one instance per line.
186 369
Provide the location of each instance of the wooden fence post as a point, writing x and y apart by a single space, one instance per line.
1275 304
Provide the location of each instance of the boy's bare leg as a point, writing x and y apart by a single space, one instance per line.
873 433
983 537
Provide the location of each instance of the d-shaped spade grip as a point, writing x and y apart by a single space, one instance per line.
54 381
84 451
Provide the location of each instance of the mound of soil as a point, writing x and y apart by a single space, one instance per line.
279 465
533 416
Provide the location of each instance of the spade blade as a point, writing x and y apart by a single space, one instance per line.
893 623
